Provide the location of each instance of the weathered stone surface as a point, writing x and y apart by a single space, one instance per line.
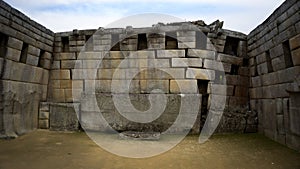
204 54
33 50
276 51
216 65
256 81
278 63
183 86
14 43
86 55
230 59
64 56
262 68
44 114
81 74
63 116
202 74
44 124
170 53
150 69
293 141
32 60
13 54
241 91
294 119
148 85
186 62
183 45
296 57
256 93
60 74
295 42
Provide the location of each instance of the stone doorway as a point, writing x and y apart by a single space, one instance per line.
202 87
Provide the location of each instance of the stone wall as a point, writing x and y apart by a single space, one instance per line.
256 76
161 57
25 57
273 50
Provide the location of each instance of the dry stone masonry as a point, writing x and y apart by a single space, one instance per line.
273 51
48 80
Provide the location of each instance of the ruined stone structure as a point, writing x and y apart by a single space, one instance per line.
49 80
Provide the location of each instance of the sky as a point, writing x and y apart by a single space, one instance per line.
66 15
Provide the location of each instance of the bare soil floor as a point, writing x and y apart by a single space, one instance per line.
56 150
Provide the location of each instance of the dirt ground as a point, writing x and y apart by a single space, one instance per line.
56 150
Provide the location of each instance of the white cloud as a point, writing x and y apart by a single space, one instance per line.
238 15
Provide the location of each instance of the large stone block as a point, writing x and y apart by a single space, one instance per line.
14 43
296 57
13 54
33 50
276 51
184 45
256 81
230 59
73 95
92 55
295 42
105 73
202 74
63 116
293 141
294 117
288 75
186 38
44 124
262 68
45 63
44 106
57 95
68 64
170 53
43 114
269 114
216 65
160 73
39 76
204 54
186 62
64 56
32 60
129 86
55 65
278 63
148 85
173 73
118 54
261 58
151 54
269 79
82 74
183 86
103 86
60 74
